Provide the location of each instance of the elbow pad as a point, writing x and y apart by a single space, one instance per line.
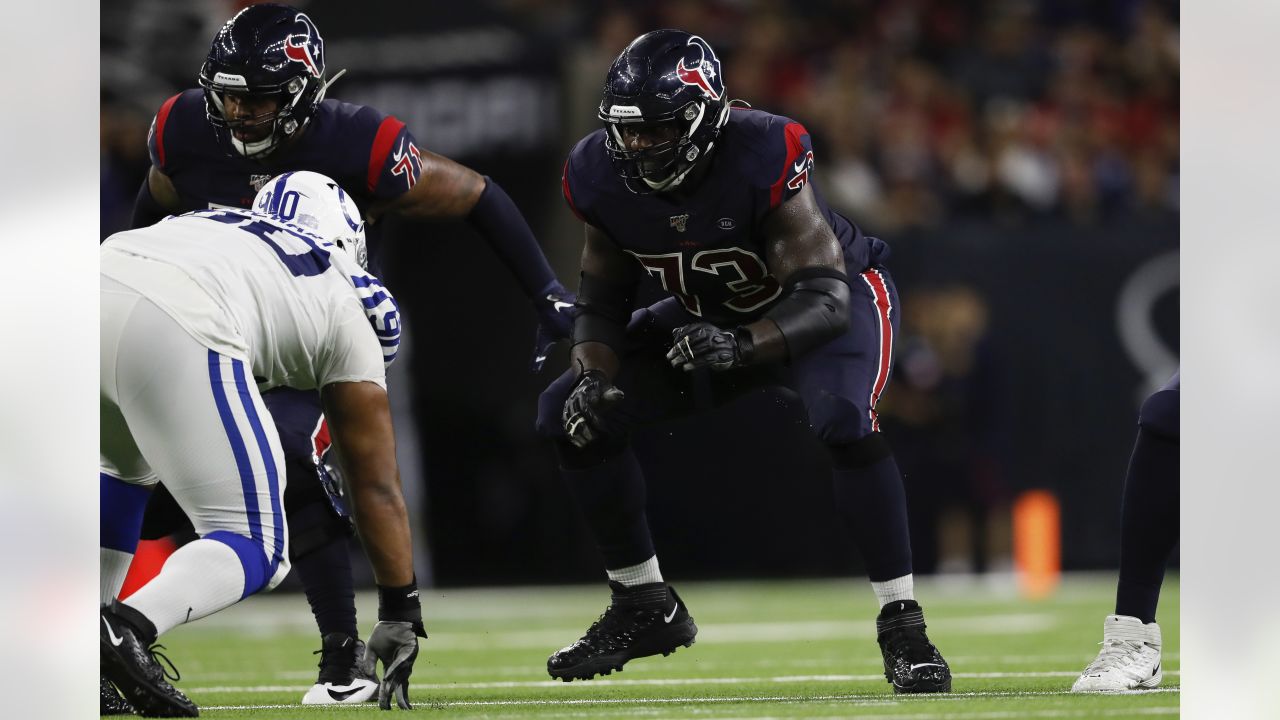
814 310
603 310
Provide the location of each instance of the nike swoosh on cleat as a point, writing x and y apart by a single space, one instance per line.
115 640
920 665
341 695
667 618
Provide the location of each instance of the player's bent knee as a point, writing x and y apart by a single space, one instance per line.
259 572
862 452
314 526
836 420
1159 413
551 407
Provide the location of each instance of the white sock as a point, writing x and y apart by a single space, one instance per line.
199 579
113 566
899 588
644 573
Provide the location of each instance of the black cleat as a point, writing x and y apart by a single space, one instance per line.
131 663
911 663
110 702
640 621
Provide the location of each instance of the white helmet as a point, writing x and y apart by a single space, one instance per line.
315 202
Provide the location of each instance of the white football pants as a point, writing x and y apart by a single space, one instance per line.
172 409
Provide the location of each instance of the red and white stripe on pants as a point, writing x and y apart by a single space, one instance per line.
884 308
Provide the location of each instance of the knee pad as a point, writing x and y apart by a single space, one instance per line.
597 453
259 572
1160 413
862 452
313 526
551 407
836 420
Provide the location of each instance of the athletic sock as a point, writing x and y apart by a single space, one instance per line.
639 574
874 505
326 578
113 566
899 588
1148 524
611 495
120 509
199 579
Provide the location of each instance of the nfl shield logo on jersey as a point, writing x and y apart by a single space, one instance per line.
257 181
678 221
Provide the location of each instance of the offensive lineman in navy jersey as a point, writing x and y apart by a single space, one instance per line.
261 111
770 287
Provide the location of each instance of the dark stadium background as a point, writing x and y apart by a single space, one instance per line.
1021 158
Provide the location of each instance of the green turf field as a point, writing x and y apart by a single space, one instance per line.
778 649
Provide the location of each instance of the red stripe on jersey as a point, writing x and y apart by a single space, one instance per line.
161 118
568 196
884 307
795 150
382 143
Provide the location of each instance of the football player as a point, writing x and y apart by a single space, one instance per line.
261 110
770 287
1130 655
199 313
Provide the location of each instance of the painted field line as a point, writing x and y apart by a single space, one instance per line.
660 682
860 700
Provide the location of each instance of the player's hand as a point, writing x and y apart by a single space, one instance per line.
556 312
702 344
395 643
590 412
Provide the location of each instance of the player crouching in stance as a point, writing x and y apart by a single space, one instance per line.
200 313
771 288
1130 655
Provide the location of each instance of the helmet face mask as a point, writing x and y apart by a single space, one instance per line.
666 79
266 52
316 203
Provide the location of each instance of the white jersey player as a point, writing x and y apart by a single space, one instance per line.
200 313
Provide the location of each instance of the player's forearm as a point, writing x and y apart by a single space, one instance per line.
383 524
813 312
593 355
498 220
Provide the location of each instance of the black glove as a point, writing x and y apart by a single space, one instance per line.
395 643
702 344
556 312
591 410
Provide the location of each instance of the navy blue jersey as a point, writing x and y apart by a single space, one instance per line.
706 248
373 156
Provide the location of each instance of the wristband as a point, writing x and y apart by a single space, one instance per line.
400 603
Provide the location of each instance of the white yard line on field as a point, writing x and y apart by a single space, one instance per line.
622 682
861 701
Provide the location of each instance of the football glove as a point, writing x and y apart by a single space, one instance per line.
395 643
591 412
702 344
556 312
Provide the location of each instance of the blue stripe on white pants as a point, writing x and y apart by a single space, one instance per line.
244 402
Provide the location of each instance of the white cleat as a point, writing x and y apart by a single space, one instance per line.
344 679
358 691
1129 659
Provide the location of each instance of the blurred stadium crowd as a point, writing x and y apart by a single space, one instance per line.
968 133
925 109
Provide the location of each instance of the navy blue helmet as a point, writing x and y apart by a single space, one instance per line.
265 51
664 76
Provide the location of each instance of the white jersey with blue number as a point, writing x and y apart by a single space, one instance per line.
247 285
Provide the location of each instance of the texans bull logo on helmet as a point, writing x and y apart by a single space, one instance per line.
701 68
306 47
